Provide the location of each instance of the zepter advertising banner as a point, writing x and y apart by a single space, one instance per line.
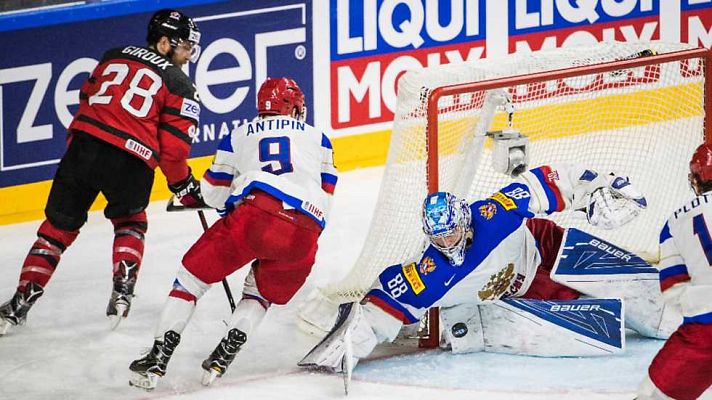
241 45
44 67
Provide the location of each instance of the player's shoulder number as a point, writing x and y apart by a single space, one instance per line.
144 85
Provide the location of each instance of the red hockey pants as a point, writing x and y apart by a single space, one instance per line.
283 241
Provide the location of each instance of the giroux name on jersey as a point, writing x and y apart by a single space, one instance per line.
269 124
148 56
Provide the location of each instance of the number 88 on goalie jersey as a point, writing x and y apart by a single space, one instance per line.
282 156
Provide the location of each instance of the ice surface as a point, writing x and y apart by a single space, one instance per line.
67 352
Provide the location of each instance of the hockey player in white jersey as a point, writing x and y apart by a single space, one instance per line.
489 250
273 178
682 369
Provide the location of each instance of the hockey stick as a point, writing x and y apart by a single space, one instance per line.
228 292
173 206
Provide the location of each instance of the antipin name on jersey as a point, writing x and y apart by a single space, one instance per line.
268 124
696 202
148 56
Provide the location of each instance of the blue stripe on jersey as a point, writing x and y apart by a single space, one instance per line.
276 193
221 176
393 303
665 233
226 144
678 269
550 195
328 178
325 142
699 319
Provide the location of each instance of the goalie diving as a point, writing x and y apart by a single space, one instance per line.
507 281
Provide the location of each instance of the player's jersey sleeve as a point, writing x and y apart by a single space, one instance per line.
674 275
329 176
559 187
216 185
514 197
178 121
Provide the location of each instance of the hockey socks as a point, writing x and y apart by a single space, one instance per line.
44 255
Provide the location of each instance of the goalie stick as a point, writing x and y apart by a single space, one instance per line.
172 206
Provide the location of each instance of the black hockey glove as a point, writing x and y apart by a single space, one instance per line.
187 192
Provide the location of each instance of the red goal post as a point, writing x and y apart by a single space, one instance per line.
432 337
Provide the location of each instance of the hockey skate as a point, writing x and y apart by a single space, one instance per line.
217 362
14 312
147 370
121 295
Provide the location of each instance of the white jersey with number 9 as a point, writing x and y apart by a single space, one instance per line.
287 158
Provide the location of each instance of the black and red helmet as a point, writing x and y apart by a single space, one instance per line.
177 27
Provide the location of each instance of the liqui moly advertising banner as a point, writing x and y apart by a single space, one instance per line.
372 42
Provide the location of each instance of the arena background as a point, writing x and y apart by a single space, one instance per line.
346 55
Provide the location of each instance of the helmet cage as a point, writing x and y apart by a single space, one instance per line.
443 216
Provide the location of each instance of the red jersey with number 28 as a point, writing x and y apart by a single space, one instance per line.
138 100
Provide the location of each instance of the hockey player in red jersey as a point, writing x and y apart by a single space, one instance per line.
682 369
273 178
137 111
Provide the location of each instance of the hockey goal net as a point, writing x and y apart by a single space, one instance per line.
634 108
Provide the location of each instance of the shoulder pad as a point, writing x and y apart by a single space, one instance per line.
179 84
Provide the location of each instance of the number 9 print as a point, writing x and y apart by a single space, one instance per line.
276 150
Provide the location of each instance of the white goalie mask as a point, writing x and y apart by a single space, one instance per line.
446 220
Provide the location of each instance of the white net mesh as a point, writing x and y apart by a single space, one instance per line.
643 122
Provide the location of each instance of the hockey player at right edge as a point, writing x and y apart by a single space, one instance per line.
682 369
492 249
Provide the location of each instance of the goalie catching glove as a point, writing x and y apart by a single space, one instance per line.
187 192
616 204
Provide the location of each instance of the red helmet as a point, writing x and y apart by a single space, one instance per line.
279 96
701 163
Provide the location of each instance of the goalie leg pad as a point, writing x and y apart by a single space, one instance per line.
317 314
462 328
575 328
600 269
351 325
